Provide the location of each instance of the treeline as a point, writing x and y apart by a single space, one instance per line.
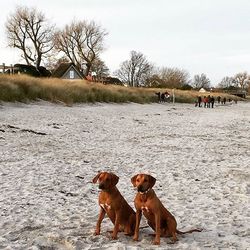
137 71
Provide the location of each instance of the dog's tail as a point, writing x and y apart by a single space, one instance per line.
189 231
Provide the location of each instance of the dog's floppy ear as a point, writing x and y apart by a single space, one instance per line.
97 177
114 179
133 180
152 181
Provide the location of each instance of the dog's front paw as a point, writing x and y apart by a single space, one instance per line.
135 238
114 237
97 232
156 242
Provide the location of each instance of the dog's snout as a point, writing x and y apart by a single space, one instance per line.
140 188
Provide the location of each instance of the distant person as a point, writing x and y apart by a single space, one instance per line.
167 95
159 96
212 101
163 97
198 102
205 100
219 99
224 100
208 101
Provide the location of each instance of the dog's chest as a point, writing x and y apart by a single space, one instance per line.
105 202
145 209
105 206
144 204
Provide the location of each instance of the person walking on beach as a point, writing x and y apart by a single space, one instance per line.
218 99
212 101
199 101
208 101
205 99
224 100
159 96
162 97
167 95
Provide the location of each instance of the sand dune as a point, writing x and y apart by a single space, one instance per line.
50 153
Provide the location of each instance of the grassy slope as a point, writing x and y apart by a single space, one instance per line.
24 89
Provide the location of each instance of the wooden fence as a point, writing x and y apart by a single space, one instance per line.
4 69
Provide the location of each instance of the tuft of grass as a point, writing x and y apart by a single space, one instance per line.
24 88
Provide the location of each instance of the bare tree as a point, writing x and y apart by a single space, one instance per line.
29 31
201 81
173 77
82 42
242 80
155 81
226 82
100 68
53 62
136 70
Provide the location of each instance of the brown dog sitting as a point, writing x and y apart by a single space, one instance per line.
158 217
113 203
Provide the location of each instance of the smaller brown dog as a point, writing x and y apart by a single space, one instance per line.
113 203
159 218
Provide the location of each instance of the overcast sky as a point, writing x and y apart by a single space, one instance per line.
200 36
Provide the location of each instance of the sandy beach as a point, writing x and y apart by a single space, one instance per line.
50 153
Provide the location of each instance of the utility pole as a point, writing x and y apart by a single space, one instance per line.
173 96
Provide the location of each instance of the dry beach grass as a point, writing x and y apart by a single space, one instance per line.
23 88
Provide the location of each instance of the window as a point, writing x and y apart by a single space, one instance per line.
71 74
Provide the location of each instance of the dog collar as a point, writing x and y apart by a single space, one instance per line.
145 192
